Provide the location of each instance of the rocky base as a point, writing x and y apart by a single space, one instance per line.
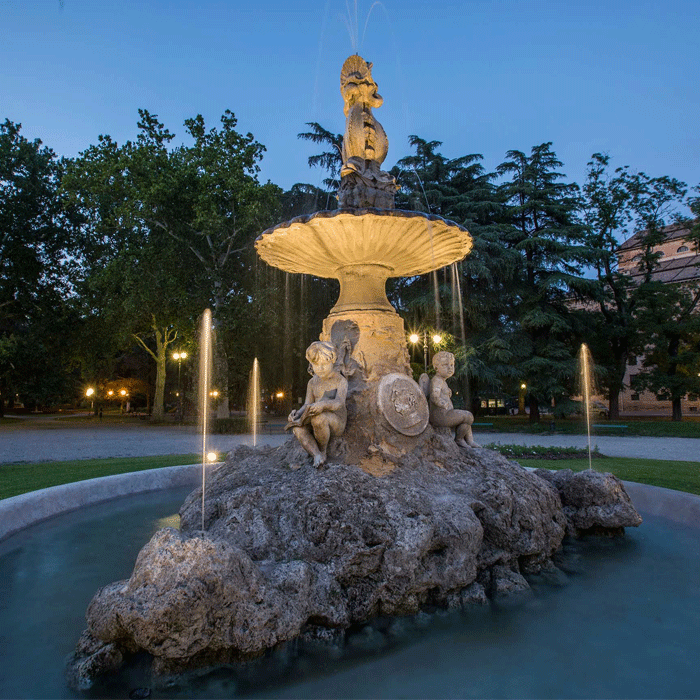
291 552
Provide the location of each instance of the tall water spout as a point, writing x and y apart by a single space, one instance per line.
586 384
205 365
253 403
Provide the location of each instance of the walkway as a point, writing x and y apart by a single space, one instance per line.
58 444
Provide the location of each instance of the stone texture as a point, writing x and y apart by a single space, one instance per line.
288 548
593 501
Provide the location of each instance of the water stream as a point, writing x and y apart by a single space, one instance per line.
205 367
253 403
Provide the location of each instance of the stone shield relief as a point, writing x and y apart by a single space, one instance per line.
403 404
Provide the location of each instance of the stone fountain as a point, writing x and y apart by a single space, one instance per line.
392 514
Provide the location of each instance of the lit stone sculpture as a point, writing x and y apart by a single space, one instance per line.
323 414
365 145
442 413
362 244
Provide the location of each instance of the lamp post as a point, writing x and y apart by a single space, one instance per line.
415 338
521 398
90 392
179 356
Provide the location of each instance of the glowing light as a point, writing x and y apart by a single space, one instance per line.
437 339
110 393
280 394
414 337
122 392
214 393
89 392
523 386
212 456
179 355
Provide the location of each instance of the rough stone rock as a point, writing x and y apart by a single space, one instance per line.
592 501
288 549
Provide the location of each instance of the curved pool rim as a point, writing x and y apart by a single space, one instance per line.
20 512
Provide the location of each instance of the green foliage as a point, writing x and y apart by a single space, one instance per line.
38 251
542 452
237 425
630 308
542 230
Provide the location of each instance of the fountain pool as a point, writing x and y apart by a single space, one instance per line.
624 624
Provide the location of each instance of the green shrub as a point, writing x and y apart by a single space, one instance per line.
238 425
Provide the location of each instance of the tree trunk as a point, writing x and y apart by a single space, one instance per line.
220 358
614 404
677 413
534 409
159 394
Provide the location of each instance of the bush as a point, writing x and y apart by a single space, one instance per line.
238 425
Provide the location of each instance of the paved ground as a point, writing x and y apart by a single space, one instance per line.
48 444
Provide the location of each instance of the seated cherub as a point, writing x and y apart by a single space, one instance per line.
442 413
324 413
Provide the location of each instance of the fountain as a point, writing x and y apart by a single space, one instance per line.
375 508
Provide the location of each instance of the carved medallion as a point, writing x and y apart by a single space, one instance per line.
403 404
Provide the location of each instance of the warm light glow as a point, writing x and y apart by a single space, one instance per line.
90 392
214 393
110 393
183 355
176 356
437 339
212 456
122 392
523 386
280 394
414 337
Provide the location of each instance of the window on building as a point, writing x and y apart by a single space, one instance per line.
663 397
683 249
635 397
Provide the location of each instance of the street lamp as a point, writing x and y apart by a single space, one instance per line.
90 393
179 356
415 339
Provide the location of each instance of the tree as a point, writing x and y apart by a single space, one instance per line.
542 229
205 198
38 241
613 202
330 160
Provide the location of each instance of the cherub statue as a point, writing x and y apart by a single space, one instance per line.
365 145
442 413
324 413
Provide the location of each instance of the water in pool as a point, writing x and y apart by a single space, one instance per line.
623 624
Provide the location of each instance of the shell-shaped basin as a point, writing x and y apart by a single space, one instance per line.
407 243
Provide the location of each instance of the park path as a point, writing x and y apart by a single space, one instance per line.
59 444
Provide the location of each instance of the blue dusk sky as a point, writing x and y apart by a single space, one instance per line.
481 76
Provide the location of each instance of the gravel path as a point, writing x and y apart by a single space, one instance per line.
57 444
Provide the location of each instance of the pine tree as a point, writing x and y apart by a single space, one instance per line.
544 232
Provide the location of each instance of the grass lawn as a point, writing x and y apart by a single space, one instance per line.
681 476
21 478
648 427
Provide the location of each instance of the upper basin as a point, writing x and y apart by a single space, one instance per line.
407 243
